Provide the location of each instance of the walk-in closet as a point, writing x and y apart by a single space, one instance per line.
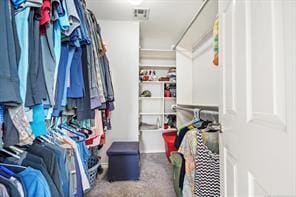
147 98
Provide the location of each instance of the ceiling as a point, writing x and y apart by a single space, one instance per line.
168 18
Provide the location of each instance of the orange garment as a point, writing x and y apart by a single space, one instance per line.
216 42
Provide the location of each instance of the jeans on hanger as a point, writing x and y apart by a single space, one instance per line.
71 53
76 86
67 53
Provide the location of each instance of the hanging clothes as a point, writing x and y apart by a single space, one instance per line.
76 84
207 167
9 55
93 60
20 125
35 92
177 160
3 191
181 134
188 150
22 26
216 42
56 97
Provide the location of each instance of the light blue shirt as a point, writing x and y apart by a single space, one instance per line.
38 124
22 26
35 183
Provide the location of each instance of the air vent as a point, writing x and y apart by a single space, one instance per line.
141 13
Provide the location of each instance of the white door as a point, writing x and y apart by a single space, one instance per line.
258 97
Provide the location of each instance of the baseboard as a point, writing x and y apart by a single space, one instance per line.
153 151
104 165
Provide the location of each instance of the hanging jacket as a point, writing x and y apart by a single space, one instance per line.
9 57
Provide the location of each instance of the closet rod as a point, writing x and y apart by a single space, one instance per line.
191 23
183 108
195 109
207 112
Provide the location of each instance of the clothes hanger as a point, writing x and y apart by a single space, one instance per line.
45 139
204 124
85 131
55 128
18 150
40 139
12 165
6 172
74 133
196 114
195 119
210 126
73 122
56 132
196 122
71 129
10 153
49 137
213 127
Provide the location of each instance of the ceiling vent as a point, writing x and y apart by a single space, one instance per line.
141 13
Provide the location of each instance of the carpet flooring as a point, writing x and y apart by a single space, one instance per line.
155 181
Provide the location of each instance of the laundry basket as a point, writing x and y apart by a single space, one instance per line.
93 165
169 139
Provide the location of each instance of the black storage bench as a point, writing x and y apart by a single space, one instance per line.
124 161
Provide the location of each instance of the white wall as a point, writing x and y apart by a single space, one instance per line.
184 76
205 76
122 39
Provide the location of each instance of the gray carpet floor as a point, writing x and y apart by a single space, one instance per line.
155 181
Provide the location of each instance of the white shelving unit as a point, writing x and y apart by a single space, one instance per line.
150 114
172 113
154 110
155 66
161 54
148 98
157 82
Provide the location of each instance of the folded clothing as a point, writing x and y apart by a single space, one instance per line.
164 79
144 126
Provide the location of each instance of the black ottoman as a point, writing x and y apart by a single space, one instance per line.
124 161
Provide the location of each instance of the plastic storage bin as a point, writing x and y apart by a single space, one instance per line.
124 161
169 139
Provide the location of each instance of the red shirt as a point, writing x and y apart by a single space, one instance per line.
45 15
